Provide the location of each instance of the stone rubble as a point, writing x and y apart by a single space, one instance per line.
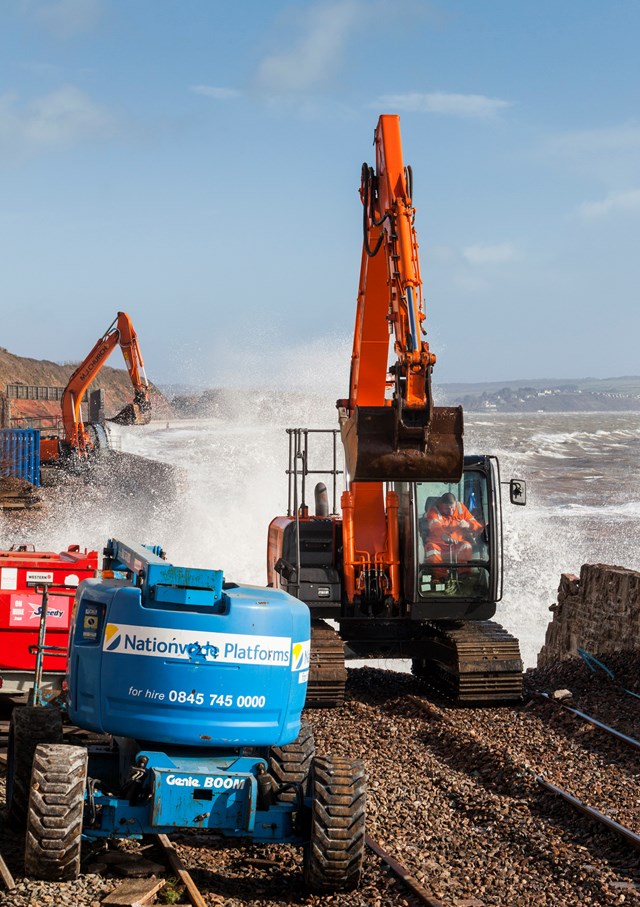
452 795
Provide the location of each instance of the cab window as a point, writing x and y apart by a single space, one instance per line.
453 537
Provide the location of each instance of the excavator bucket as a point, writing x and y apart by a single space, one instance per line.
133 414
380 447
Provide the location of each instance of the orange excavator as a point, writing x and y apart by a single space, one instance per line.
80 441
370 568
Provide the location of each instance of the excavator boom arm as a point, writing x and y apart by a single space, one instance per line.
390 427
120 331
389 233
128 340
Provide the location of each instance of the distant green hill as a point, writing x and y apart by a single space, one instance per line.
546 395
524 395
628 384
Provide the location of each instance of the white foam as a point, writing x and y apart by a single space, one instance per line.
235 484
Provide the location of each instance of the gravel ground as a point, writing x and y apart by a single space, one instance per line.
452 794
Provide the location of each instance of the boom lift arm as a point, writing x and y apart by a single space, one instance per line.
121 331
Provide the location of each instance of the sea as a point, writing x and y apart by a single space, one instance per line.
580 469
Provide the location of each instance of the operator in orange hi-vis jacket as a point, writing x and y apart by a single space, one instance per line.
451 529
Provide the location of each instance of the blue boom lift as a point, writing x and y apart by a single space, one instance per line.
195 688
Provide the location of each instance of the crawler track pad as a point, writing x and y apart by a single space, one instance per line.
327 671
473 661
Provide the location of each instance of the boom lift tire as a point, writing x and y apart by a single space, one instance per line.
30 726
56 806
289 765
333 858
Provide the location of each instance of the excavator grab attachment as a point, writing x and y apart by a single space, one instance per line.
380 447
136 413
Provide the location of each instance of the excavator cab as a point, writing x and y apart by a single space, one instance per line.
456 556
459 563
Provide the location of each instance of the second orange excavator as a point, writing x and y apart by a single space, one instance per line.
412 565
78 440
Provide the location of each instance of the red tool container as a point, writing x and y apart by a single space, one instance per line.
23 573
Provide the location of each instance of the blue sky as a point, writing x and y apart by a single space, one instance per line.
197 164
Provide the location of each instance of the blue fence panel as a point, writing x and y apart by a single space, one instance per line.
20 454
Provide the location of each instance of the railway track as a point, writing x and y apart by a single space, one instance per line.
466 806
589 719
419 894
135 891
629 835
401 872
418 890
625 833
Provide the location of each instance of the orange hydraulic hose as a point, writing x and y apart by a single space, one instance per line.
393 544
348 544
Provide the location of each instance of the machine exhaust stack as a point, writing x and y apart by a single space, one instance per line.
322 499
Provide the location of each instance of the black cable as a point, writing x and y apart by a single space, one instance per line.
367 212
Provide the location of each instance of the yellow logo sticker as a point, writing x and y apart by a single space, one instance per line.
300 656
111 637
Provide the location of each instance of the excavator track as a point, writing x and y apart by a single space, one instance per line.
473 661
327 671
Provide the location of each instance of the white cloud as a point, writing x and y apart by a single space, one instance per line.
586 141
613 202
42 70
470 283
316 52
442 253
475 106
490 255
66 18
610 154
212 91
55 120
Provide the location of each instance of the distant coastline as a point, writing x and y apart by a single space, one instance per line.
545 395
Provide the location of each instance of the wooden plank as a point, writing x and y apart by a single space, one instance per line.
133 893
7 878
176 864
